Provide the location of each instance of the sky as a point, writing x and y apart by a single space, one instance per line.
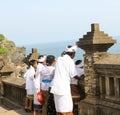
41 21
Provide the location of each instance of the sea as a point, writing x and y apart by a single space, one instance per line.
56 48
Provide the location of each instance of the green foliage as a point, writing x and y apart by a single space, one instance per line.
3 50
2 37
9 41
6 46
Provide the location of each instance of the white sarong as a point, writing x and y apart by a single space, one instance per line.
63 103
30 91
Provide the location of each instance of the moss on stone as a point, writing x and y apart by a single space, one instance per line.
2 37
4 51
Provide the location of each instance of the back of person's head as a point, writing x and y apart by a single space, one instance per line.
63 53
50 59
69 46
71 54
32 62
40 56
42 59
78 62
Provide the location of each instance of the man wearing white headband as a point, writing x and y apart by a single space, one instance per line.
64 71
42 59
71 48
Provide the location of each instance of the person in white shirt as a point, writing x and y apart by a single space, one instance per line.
80 72
29 76
80 82
64 71
75 89
37 79
47 76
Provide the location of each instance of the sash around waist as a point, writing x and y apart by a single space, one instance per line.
46 81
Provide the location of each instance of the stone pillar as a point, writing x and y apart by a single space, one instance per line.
95 27
95 44
34 50
103 87
107 87
33 55
117 89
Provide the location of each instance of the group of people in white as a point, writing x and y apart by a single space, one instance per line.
52 77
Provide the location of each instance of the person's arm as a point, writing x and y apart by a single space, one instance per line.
73 72
79 77
82 77
25 75
32 75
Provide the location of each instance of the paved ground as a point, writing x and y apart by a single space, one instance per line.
5 111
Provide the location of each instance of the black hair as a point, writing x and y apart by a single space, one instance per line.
69 46
63 53
40 56
70 53
32 62
78 62
50 59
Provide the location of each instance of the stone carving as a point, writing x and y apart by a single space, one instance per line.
102 74
34 55
94 41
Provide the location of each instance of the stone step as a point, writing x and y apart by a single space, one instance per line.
4 111
8 107
10 104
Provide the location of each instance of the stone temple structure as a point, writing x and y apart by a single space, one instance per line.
102 74
33 55
101 83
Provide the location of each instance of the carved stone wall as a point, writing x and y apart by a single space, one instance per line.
101 78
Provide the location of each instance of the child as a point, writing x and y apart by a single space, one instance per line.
47 76
37 104
29 75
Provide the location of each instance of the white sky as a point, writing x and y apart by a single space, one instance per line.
37 21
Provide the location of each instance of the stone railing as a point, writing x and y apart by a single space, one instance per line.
110 87
14 90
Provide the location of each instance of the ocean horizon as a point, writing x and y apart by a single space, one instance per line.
56 48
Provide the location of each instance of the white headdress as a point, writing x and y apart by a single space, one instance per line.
79 65
42 59
72 49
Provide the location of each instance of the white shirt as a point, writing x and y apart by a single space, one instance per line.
64 71
37 78
29 75
47 75
80 71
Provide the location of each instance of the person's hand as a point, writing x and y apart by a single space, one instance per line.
82 77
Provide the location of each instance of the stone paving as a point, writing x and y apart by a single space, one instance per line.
5 111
